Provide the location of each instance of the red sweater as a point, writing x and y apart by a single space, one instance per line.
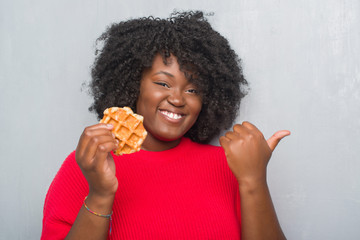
187 192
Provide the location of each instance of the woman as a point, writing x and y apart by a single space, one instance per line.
185 80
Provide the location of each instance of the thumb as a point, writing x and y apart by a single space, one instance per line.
275 139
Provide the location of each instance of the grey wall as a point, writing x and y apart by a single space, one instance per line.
301 58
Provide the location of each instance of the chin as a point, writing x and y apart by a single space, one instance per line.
166 136
168 139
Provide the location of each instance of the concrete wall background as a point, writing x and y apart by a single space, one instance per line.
301 59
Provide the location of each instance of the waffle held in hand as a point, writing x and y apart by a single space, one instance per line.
128 128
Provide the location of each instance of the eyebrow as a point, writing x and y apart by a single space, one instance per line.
162 72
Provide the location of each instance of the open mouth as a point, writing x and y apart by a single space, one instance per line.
171 115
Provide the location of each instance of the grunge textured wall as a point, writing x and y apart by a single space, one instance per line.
301 59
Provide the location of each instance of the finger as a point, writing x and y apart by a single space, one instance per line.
275 139
224 142
102 153
249 125
93 131
99 126
90 132
244 127
232 135
93 145
238 128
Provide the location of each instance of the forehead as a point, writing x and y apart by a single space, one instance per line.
170 62
172 65
168 67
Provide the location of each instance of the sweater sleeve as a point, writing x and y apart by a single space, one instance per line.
63 200
238 207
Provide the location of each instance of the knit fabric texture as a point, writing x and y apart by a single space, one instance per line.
187 192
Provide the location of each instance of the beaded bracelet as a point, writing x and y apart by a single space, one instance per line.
98 214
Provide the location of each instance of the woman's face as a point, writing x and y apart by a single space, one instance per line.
169 103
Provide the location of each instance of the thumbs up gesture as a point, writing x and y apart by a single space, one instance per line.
248 152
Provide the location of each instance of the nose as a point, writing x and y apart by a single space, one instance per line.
176 98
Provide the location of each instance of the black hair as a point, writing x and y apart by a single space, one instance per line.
130 46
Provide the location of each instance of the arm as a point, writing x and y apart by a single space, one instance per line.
248 154
97 165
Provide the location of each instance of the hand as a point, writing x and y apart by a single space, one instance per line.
248 153
94 158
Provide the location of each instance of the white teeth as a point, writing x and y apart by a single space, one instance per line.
172 115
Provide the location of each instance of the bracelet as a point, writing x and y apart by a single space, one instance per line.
98 214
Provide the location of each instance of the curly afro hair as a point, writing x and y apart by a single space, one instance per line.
130 46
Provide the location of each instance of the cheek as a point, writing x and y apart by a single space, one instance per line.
150 95
148 103
139 105
196 106
143 100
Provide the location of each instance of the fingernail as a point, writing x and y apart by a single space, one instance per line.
109 125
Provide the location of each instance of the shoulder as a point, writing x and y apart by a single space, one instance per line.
206 152
64 198
69 170
203 148
212 160
69 179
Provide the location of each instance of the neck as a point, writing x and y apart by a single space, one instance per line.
157 145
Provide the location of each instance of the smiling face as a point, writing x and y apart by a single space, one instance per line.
169 103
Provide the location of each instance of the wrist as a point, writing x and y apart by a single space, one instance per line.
101 193
252 185
100 203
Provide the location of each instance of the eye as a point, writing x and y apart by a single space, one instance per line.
193 90
162 84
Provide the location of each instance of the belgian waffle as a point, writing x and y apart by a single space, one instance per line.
128 128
